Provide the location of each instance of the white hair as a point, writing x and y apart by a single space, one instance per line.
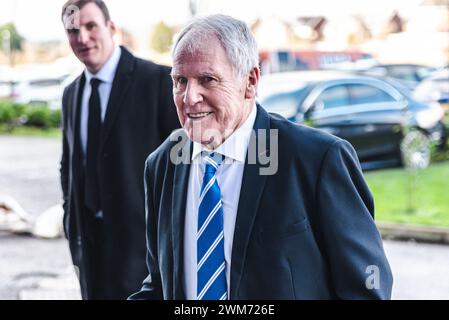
234 36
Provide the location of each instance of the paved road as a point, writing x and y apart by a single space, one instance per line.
33 268
29 172
420 271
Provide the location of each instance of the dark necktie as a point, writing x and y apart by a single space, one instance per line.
91 190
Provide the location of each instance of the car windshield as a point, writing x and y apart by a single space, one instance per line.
285 103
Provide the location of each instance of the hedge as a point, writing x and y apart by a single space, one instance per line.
32 115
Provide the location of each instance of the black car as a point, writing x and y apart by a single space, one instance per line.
384 124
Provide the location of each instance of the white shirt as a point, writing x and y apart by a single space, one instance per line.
229 178
106 75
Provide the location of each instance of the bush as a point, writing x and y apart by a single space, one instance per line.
55 118
40 116
12 114
6 112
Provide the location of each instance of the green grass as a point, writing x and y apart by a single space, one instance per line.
23 131
412 197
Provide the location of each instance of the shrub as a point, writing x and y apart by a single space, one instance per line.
6 112
34 115
12 114
38 116
55 118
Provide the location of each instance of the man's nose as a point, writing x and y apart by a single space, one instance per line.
192 94
83 35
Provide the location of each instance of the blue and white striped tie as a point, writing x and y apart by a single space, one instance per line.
211 265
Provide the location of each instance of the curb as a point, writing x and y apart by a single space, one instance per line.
428 234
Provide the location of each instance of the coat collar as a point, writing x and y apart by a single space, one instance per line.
179 199
253 184
120 87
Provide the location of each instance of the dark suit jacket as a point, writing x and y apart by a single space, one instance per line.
140 116
306 232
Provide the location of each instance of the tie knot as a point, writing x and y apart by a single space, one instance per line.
213 161
95 82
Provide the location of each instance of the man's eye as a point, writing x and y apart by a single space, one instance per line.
207 79
180 81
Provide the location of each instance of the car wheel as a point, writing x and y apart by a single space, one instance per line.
415 150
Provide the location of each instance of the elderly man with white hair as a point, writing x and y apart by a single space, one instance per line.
242 204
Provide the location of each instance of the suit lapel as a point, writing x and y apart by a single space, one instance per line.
179 198
75 116
76 104
251 191
120 87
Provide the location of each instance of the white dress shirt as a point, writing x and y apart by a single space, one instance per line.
106 74
229 178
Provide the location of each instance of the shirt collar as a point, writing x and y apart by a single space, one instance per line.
236 145
107 72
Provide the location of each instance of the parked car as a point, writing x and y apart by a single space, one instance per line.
384 124
5 89
45 90
41 83
272 61
5 82
411 74
435 88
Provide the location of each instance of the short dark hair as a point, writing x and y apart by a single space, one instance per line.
81 3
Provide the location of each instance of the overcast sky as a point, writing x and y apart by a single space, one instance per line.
40 20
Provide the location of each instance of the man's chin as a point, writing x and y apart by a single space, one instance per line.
208 142
211 143
85 60
210 138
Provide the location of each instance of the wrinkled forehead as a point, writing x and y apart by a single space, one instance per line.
192 56
199 49
194 43
196 63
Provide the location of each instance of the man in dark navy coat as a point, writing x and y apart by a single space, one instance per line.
242 204
115 114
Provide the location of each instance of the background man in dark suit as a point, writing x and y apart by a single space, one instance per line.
116 113
299 226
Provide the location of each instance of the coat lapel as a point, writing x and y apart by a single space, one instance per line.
120 87
76 104
75 116
179 198
251 191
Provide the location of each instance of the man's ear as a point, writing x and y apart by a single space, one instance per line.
251 84
112 27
